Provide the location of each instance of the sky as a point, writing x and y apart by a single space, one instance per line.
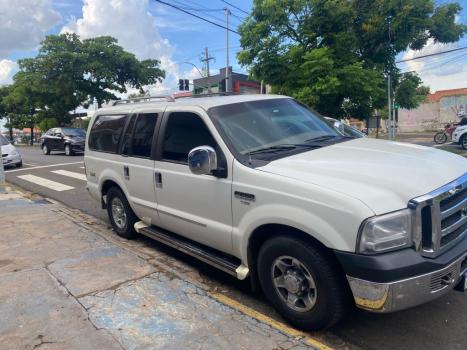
153 30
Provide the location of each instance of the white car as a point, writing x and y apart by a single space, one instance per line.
459 136
10 155
261 187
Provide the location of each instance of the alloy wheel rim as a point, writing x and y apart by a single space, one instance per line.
67 150
44 149
294 283
118 213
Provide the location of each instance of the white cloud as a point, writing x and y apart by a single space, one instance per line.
7 70
24 23
442 72
135 28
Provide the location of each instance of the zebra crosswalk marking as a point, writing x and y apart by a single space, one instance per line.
70 174
53 185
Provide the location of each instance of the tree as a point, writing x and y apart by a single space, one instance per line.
335 54
69 72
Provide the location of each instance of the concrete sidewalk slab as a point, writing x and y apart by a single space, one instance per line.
165 312
67 284
99 269
35 312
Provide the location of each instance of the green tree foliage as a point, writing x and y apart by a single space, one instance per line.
68 72
48 123
335 54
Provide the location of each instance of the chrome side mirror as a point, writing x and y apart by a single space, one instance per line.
202 160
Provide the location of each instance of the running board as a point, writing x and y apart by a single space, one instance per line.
208 255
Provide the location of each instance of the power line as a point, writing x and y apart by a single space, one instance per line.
199 17
235 7
432 54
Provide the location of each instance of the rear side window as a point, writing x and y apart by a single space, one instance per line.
106 132
143 135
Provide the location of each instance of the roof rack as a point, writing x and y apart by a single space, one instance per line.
168 98
216 94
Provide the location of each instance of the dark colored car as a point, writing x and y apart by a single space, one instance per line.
68 140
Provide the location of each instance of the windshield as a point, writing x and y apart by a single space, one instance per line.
256 125
74 132
350 131
3 141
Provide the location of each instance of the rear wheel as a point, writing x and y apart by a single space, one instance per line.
463 141
120 213
440 138
302 282
45 149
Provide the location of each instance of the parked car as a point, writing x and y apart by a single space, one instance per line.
10 155
261 187
343 128
68 140
459 136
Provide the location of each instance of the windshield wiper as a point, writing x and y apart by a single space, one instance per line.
321 138
273 149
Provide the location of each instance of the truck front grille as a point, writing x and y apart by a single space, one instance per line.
440 217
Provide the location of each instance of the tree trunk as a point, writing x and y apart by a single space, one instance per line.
32 136
10 130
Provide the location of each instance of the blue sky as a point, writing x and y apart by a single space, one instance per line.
151 29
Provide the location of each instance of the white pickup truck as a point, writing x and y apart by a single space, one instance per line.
262 187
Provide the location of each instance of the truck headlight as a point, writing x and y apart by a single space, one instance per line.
386 232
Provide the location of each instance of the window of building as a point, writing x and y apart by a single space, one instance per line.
143 135
184 132
105 133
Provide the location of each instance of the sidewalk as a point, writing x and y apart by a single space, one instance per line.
67 283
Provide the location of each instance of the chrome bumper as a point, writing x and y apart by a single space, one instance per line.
403 294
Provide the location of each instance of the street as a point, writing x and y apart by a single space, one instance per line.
439 324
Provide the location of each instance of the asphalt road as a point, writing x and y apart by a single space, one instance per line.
441 324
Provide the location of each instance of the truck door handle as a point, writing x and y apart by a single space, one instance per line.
126 172
158 179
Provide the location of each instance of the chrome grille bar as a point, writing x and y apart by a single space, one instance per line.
443 229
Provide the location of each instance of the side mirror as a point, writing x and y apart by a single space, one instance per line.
202 160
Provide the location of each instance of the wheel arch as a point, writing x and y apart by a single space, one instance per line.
266 232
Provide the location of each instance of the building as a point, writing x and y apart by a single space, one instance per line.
440 108
240 83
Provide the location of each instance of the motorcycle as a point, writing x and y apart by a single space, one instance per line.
442 136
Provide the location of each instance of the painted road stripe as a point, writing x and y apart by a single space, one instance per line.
70 174
56 186
44 166
270 321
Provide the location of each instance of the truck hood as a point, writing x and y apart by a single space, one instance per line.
382 174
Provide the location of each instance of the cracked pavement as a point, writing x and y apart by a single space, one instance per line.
67 283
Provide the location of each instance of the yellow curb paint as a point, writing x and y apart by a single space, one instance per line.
269 321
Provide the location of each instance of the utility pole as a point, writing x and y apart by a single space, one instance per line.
227 81
206 60
389 108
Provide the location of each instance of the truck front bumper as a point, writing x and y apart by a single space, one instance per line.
400 280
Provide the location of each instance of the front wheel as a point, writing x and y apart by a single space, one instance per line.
440 138
463 141
120 214
68 150
302 282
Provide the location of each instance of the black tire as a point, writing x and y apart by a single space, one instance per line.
331 289
19 165
69 150
463 141
440 138
45 150
126 230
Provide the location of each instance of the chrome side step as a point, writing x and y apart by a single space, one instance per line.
210 256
